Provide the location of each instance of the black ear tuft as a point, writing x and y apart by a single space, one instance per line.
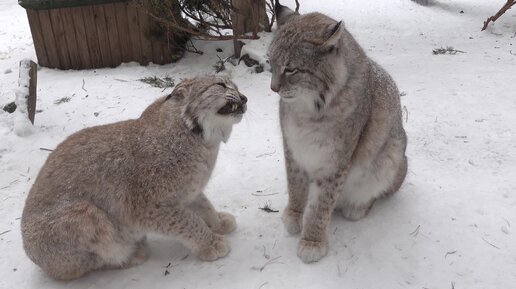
283 13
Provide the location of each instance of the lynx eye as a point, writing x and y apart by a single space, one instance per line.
222 84
290 71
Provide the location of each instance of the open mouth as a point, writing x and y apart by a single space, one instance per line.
232 108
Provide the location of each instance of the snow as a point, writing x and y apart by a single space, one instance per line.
450 225
22 124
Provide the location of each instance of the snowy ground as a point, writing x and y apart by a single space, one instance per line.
452 225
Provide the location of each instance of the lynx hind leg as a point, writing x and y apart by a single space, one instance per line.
399 178
82 239
366 184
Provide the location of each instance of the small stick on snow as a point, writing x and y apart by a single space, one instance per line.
449 253
266 154
263 285
267 208
452 285
45 149
270 262
5 232
263 195
491 244
83 85
416 231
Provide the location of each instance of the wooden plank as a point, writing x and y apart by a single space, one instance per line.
112 31
167 50
37 37
103 37
145 37
71 40
122 23
33 84
59 34
92 36
80 34
50 42
157 52
134 32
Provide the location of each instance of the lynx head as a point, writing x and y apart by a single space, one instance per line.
211 105
305 57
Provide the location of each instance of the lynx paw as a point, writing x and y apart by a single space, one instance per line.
218 248
141 254
227 223
292 221
356 213
311 251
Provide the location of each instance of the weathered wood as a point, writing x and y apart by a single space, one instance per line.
145 38
59 34
50 42
80 33
103 37
134 32
157 52
31 100
126 49
71 40
37 37
92 36
114 42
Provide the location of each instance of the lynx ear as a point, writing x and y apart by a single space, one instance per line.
335 32
283 13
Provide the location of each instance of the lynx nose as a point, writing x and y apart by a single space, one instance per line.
243 99
275 86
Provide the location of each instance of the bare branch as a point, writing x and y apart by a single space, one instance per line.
495 17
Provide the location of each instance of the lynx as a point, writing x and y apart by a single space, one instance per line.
341 121
104 188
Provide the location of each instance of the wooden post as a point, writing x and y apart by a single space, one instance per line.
248 16
27 82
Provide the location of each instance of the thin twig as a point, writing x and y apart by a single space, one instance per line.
83 85
45 149
449 253
263 195
270 262
297 6
266 154
4 232
267 208
491 244
263 285
416 231
495 17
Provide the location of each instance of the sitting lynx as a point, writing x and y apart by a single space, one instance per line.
341 121
105 187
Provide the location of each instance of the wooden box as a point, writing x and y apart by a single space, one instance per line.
85 34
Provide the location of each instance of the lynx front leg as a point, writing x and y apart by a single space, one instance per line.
314 240
297 195
219 222
189 228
